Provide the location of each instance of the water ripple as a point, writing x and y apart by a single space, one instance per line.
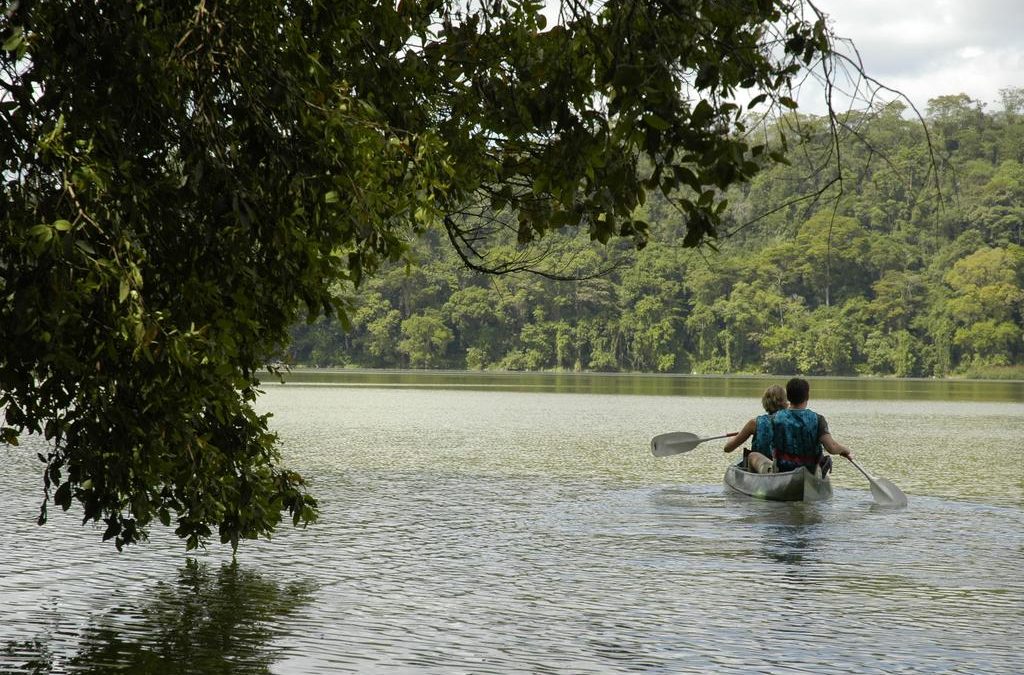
437 553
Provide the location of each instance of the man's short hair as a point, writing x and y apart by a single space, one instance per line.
798 390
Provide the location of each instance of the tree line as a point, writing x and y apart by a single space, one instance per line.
903 259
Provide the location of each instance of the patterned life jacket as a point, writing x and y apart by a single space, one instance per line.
763 436
796 439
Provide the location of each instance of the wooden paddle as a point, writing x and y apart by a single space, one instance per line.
678 442
884 492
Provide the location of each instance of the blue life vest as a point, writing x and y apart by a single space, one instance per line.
763 436
796 439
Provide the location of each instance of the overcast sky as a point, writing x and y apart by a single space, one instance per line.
929 48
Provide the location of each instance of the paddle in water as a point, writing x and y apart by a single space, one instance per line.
678 442
884 492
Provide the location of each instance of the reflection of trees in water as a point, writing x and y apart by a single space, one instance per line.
791 534
30 656
791 546
208 621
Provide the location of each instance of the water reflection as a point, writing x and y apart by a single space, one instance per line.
788 532
863 388
208 620
29 656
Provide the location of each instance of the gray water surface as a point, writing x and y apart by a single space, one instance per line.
497 531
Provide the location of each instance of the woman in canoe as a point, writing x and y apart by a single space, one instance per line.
761 431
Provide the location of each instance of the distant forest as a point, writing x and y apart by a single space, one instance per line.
904 258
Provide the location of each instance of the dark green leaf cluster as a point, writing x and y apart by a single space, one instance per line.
177 180
575 125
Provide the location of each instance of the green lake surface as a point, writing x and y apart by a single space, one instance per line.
504 523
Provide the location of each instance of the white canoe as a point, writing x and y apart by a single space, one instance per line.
789 486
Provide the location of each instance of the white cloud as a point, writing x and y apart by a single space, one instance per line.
929 48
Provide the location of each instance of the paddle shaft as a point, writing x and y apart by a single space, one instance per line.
861 469
713 438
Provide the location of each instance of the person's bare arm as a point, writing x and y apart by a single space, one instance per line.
835 447
739 439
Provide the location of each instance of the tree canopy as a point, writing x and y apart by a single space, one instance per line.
182 181
884 274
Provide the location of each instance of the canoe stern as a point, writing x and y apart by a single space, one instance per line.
790 486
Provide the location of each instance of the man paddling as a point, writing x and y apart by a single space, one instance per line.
801 434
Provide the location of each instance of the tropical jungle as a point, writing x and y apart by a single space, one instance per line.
890 244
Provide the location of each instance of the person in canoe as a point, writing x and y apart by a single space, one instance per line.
761 432
801 436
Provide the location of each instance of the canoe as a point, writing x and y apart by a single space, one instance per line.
788 486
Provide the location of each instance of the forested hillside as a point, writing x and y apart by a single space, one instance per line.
907 260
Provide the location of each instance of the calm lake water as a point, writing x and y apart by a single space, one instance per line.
519 524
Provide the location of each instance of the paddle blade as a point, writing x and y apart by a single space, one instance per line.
884 492
674 443
887 494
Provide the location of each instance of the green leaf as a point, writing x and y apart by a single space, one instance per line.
707 76
15 40
687 177
655 122
62 497
41 231
702 113
113 528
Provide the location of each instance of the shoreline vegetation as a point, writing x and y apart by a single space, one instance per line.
910 267
1004 373
652 384
1010 374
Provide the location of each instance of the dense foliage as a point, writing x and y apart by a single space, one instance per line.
908 263
180 181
